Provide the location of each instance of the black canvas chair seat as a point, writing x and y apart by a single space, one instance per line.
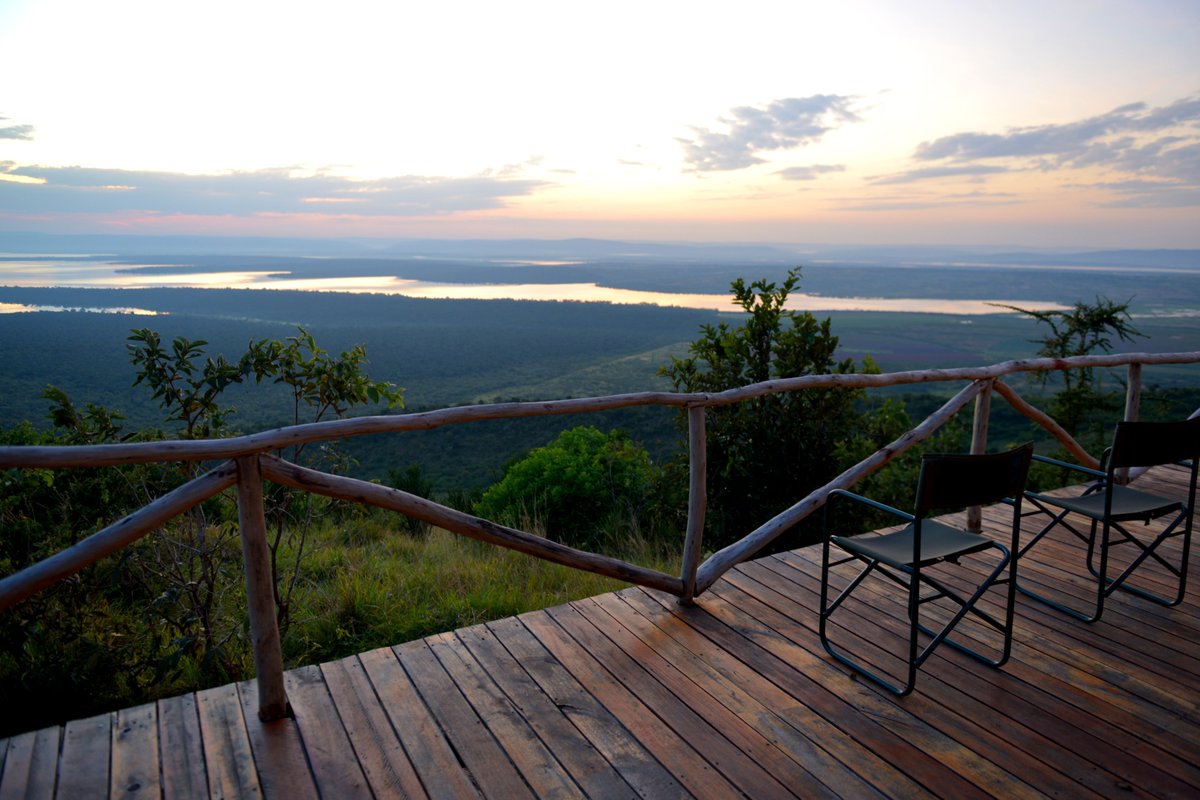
1107 508
903 557
938 543
1127 504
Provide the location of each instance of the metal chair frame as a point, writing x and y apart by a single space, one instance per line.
1109 506
901 557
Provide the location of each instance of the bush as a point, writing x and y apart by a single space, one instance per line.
575 488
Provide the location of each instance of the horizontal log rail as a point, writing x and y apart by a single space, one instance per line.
247 462
65 563
357 491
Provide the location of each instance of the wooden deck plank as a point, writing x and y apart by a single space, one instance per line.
83 767
990 731
839 761
1040 629
740 718
181 748
278 751
633 695
592 718
717 745
1040 664
694 772
135 762
1107 691
31 765
378 749
1127 753
930 757
227 754
595 776
493 771
442 775
1043 697
337 771
536 763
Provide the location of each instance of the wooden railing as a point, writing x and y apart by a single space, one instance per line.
249 461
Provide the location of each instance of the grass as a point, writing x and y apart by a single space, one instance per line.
368 585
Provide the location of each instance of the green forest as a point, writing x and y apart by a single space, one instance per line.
453 352
168 614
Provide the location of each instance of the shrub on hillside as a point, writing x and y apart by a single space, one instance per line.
575 488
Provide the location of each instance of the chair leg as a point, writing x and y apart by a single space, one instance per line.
968 606
917 655
1151 551
1060 519
826 611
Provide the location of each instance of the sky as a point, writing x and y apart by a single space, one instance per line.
1055 123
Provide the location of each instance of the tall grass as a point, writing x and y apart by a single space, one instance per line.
369 584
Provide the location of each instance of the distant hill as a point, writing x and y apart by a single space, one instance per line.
590 250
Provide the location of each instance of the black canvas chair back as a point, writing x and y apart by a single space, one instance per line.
906 559
1149 444
953 481
1107 508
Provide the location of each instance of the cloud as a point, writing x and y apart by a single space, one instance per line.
1153 153
809 173
22 132
929 173
1065 143
923 203
31 189
1151 194
749 131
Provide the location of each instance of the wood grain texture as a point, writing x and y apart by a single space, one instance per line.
135 762
337 770
228 756
379 750
278 750
31 765
442 775
83 767
181 748
474 744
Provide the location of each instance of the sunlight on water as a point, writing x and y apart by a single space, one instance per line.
21 308
24 273
590 292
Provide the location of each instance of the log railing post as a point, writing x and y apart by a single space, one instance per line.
1133 405
260 593
697 500
1133 393
979 437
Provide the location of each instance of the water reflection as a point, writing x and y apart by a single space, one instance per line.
23 273
22 308
590 292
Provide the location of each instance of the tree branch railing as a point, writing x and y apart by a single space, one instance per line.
247 462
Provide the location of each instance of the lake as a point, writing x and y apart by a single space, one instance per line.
83 272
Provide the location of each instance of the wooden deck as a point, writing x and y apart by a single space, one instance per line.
629 695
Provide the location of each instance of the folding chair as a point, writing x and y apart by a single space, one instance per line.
905 557
1110 507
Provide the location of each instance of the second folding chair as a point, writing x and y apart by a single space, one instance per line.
1109 510
905 558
